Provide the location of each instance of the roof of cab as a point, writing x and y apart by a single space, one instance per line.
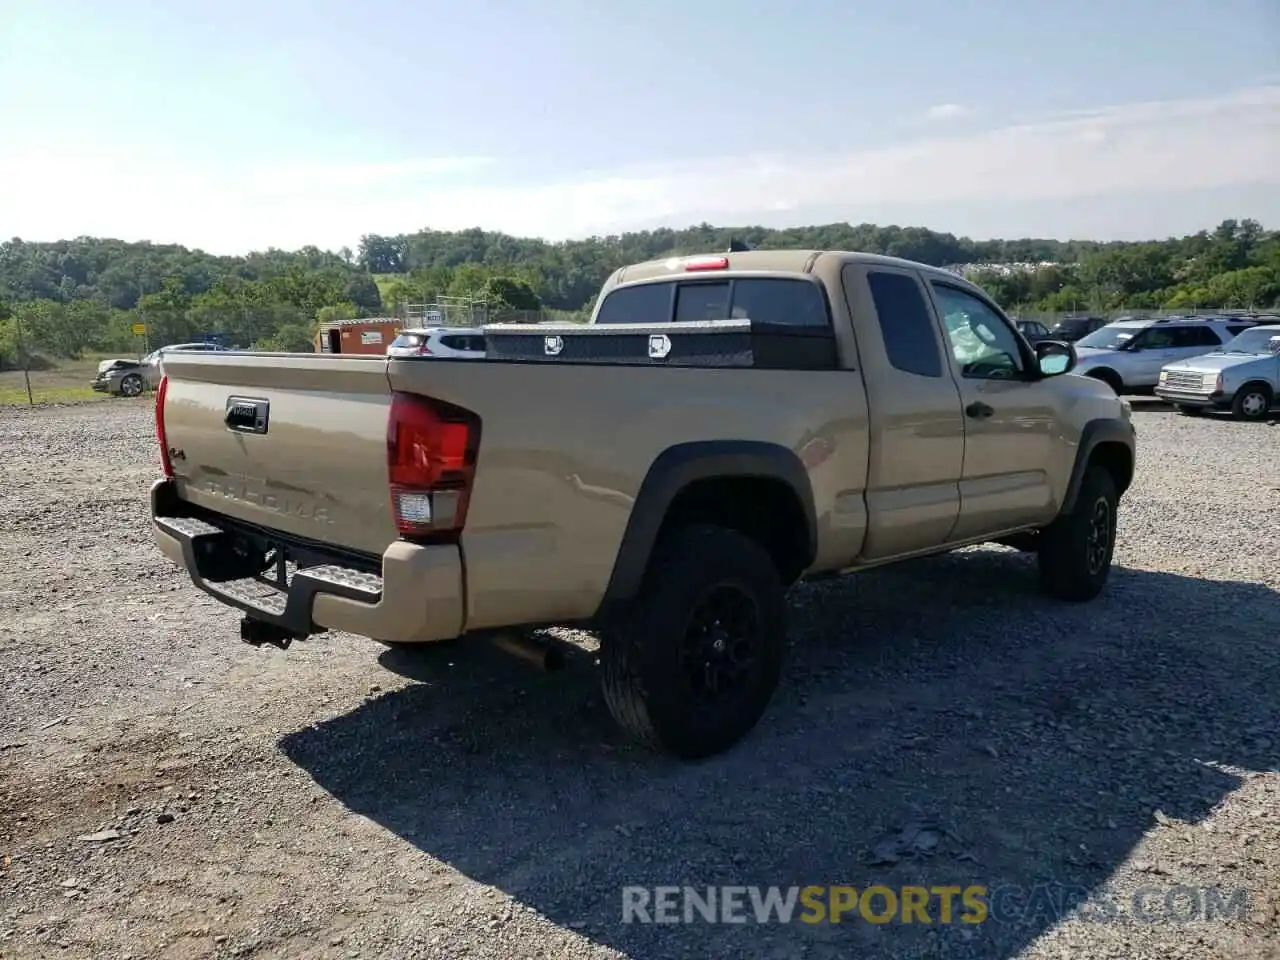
769 261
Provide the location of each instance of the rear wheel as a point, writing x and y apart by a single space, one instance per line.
1076 549
1252 402
694 666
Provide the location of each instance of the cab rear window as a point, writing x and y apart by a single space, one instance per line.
647 303
772 300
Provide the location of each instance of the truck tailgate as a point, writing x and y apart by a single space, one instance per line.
291 442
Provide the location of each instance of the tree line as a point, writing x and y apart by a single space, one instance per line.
86 294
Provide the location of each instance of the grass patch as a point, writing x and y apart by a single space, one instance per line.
66 381
384 282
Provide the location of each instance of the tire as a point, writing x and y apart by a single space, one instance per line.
131 386
1110 378
663 693
1190 411
1076 549
1252 402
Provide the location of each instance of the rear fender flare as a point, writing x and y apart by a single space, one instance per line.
674 470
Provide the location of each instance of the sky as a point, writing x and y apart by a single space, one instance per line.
244 125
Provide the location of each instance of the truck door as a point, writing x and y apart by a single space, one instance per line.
1010 422
916 449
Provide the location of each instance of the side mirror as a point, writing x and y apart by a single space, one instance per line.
1055 357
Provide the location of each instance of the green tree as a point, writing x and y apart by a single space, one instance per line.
338 311
85 293
290 338
510 292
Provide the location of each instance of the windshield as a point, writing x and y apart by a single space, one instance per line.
1252 341
1109 338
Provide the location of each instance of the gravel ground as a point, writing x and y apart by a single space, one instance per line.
940 723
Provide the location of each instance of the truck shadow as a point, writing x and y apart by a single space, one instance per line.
940 723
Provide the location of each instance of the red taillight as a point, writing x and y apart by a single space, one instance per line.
424 351
706 263
165 463
431 455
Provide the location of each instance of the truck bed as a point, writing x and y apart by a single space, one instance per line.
564 449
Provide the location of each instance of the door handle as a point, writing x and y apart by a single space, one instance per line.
978 410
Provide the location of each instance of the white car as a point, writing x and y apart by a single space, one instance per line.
454 343
1129 354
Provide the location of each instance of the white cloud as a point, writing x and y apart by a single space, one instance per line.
948 111
1133 149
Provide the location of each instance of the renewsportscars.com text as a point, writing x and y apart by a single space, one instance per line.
949 904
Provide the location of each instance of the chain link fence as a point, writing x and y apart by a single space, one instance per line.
465 312
1051 318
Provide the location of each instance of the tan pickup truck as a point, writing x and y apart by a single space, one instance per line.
725 427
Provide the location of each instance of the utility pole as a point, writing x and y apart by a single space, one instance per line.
22 358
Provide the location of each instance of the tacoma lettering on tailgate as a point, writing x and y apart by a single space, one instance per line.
269 501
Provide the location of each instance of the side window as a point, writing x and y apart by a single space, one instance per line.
644 303
1158 338
795 303
909 334
982 343
1236 329
702 301
1195 337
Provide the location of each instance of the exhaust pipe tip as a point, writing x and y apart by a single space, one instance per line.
541 655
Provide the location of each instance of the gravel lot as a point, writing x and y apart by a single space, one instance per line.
343 800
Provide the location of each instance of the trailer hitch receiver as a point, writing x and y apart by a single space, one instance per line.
258 632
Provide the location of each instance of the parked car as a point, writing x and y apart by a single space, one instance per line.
663 474
1243 376
129 378
460 343
1033 330
1129 354
1071 329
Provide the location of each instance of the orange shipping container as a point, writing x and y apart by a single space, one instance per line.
371 335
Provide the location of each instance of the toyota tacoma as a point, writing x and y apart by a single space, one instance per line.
724 427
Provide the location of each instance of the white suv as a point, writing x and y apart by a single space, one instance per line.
462 343
1128 354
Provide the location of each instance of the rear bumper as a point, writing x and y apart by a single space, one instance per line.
1184 398
417 597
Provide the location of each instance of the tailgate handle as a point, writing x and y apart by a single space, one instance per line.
246 415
